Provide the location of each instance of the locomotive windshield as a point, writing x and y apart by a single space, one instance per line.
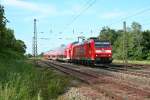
102 44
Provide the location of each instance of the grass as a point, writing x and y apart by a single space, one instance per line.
133 61
20 80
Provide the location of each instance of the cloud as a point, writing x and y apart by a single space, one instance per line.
30 10
112 15
41 8
20 4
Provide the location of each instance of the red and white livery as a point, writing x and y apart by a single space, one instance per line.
90 51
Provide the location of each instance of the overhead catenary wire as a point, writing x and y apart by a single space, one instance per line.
124 39
121 20
89 3
130 16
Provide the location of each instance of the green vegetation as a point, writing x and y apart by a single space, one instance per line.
138 42
19 79
7 38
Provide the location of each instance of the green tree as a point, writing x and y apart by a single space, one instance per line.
7 38
118 45
146 44
136 40
3 22
19 46
108 34
28 55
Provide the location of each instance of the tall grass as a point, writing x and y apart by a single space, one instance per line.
20 80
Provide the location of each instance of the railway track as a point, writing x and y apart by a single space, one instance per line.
135 65
101 82
127 70
130 70
87 77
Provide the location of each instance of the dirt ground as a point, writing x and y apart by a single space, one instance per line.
82 92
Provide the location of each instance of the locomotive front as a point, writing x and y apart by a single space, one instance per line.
103 51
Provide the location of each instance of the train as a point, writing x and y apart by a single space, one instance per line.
89 52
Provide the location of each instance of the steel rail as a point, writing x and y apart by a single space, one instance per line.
93 78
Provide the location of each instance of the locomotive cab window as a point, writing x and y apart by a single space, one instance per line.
102 44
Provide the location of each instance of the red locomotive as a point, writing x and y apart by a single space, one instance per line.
90 51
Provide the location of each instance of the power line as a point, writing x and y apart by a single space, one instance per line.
89 4
135 14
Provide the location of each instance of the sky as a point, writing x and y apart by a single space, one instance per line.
56 19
